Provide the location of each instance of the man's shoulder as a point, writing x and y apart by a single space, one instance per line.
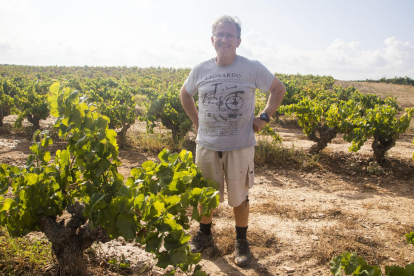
205 63
248 60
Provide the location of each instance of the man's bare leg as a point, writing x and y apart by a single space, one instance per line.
241 214
207 220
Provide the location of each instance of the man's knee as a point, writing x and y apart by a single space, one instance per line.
244 204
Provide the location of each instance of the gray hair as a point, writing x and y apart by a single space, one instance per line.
226 19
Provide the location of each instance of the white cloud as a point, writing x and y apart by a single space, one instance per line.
342 60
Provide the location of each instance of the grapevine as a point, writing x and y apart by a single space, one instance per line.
81 198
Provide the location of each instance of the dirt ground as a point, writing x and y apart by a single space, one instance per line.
300 217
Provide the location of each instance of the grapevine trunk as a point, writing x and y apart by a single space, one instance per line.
70 237
380 146
35 120
70 257
326 134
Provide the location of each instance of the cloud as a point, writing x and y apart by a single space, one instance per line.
342 60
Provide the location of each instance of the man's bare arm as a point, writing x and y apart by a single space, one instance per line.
277 91
189 106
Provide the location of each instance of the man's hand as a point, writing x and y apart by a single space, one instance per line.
258 124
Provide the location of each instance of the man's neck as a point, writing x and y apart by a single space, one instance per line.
223 61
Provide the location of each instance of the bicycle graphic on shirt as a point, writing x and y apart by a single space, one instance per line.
232 101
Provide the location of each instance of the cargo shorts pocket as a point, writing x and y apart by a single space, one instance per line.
250 175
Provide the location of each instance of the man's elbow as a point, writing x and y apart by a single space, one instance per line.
183 94
278 87
279 90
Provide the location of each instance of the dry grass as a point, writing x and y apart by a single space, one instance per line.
335 241
384 207
401 229
273 154
288 211
368 205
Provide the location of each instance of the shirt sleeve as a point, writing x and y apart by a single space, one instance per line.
264 78
190 83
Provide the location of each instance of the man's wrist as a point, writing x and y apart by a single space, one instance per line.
265 117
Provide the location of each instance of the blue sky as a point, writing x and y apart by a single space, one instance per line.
345 39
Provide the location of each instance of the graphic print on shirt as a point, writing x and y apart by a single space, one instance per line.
222 104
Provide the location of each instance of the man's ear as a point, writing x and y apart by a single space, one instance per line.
212 41
238 42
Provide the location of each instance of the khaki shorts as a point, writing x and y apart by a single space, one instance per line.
236 167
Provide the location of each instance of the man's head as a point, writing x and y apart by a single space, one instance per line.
226 19
226 38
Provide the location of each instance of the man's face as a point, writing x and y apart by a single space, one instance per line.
225 40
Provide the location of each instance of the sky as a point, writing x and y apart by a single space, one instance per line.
349 40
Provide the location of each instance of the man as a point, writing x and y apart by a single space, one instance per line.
225 125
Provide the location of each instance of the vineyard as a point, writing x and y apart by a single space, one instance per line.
97 171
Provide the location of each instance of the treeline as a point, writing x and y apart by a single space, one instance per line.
395 80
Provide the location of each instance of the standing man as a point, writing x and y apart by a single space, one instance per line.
225 125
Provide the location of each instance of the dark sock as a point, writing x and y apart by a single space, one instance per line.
241 232
205 228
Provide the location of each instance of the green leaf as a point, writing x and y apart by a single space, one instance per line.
194 258
27 218
136 172
409 269
126 226
159 206
164 154
148 165
139 201
195 215
171 242
169 225
153 242
172 200
31 178
178 257
120 203
47 157
63 158
336 266
6 205
367 270
54 88
350 262
73 98
185 238
410 237
103 122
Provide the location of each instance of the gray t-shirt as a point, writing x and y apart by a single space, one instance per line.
226 100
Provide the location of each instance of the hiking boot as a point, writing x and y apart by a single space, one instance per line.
200 241
242 255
